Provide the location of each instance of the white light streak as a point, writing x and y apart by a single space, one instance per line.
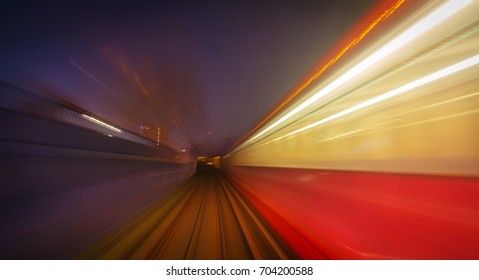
92 77
428 22
100 123
407 87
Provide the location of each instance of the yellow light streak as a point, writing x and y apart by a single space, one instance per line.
405 88
424 25
351 44
100 123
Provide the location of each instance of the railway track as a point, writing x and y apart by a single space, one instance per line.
204 218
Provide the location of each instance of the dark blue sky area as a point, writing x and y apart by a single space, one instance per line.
209 70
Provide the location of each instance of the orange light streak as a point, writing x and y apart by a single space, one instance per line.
351 44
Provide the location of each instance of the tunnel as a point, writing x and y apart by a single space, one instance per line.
341 130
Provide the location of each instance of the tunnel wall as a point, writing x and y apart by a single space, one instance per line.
63 186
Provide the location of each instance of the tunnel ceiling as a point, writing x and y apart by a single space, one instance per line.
205 72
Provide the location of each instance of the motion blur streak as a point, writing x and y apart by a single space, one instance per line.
336 57
410 34
417 83
375 157
204 218
386 163
354 215
101 123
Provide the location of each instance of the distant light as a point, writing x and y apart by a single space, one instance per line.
100 123
183 150
434 18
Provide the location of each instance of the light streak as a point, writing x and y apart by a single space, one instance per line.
100 123
428 22
351 44
92 77
405 88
